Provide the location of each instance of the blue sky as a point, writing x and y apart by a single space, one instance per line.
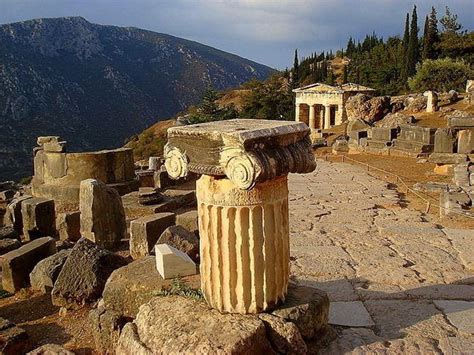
262 30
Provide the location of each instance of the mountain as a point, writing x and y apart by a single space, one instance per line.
96 85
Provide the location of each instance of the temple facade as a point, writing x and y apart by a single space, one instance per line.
322 106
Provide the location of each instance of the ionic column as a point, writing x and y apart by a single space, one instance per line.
297 112
244 244
327 116
242 200
312 120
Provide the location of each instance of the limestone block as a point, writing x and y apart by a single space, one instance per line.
181 239
102 214
145 232
68 225
14 212
8 232
444 141
244 244
446 158
171 262
38 218
459 313
106 326
349 314
432 103
46 272
154 163
162 179
461 122
149 196
6 195
444 169
17 264
47 139
146 178
189 221
7 245
466 141
57 147
284 336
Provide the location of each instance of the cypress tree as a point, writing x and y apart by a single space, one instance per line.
296 68
413 45
431 36
406 39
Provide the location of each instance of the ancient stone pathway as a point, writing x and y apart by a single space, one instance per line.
398 282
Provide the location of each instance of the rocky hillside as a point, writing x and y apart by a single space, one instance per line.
96 85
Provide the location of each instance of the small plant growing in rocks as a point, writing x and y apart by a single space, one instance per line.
180 288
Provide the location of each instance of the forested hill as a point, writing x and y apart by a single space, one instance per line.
96 85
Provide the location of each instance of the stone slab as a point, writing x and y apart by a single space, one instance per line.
463 241
171 262
459 313
349 314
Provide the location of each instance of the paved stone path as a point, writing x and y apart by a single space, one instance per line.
398 282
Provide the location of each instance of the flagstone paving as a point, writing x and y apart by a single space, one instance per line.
399 280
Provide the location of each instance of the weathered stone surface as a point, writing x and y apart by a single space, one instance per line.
463 242
446 158
135 284
46 272
444 141
102 214
84 274
466 141
459 313
340 146
7 195
189 221
154 163
356 125
181 239
393 120
193 327
106 326
307 308
145 232
349 314
50 349
461 120
370 109
416 103
172 263
284 336
7 245
17 264
149 196
13 340
68 225
162 179
8 232
38 218
14 212
461 174
145 178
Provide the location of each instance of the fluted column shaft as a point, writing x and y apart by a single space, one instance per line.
244 247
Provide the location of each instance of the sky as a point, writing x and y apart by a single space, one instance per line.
266 31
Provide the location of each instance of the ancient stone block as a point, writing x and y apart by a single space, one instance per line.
194 328
181 239
106 327
145 232
162 179
50 349
461 122
453 203
17 264
7 245
189 221
461 174
154 163
383 134
137 283
8 232
84 274
14 212
284 336
13 340
466 141
38 218
46 272
444 141
102 214
307 308
446 158
146 178
68 225
432 101
171 262
6 195
149 196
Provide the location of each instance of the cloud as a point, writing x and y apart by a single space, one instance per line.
264 30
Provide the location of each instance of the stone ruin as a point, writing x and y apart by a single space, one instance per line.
238 238
58 174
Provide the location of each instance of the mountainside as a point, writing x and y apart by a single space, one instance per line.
95 85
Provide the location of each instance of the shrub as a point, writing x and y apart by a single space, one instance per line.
440 75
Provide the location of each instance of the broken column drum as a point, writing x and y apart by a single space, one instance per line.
242 205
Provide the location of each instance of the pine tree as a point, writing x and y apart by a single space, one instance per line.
296 69
209 105
406 39
450 22
413 45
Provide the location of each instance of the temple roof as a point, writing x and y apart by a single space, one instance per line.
323 88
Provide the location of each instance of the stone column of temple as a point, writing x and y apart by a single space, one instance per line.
297 112
432 101
327 116
244 244
242 199
312 120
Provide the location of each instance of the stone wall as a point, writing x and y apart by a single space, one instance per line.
58 174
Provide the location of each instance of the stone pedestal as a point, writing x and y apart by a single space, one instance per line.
244 244
242 205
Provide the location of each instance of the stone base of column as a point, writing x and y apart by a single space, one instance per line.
244 247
